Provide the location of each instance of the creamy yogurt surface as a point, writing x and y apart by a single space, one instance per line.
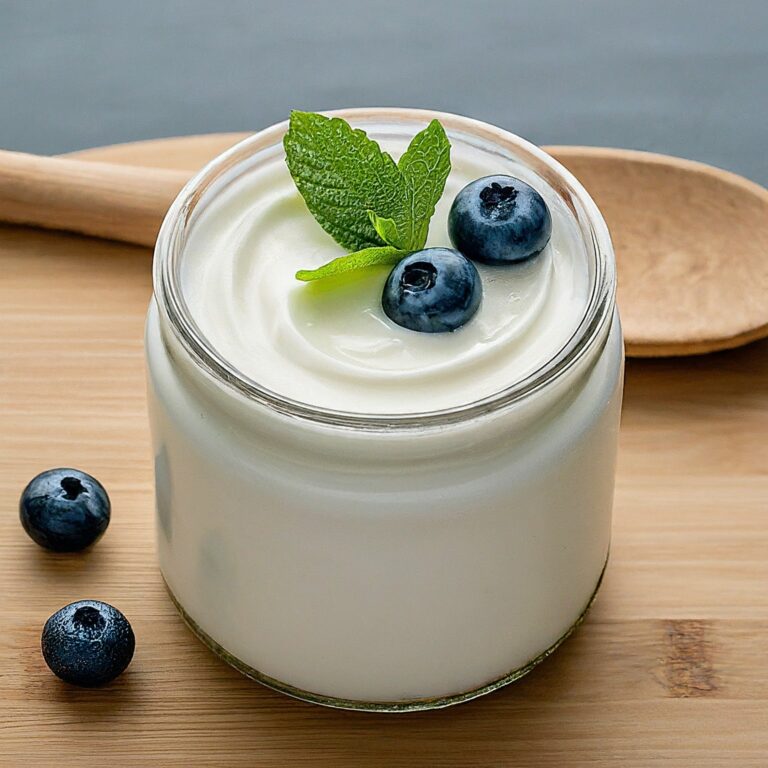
328 343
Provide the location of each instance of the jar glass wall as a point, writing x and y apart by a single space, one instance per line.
383 561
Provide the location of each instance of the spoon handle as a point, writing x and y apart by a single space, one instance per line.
117 202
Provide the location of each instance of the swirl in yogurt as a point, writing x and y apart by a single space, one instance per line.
329 344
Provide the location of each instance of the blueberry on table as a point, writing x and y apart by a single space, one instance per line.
499 220
87 643
432 291
64 510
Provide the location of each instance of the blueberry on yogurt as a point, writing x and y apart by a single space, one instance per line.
499 220
433 291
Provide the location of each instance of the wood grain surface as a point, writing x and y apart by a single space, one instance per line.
671 667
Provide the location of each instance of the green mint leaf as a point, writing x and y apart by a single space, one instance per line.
342 174
367 257
368 204
425 167
386 229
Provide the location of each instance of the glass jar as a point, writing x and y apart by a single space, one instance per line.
383 562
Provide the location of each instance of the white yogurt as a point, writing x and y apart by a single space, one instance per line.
329 343
404 559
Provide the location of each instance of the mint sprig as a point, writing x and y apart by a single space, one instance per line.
424 166
366 257
370 205
386 229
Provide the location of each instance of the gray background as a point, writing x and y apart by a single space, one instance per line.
686 77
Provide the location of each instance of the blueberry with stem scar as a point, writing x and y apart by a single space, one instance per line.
64 510
433 291
87 643
499 220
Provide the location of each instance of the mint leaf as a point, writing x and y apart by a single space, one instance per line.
342 174
357 193
386 229
425 166
367 257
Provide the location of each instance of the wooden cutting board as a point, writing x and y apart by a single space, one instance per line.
670 666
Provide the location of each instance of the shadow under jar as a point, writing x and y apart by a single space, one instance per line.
386 559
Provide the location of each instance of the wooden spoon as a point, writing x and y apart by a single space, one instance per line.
691 246
691 240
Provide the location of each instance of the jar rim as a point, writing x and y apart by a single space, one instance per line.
590 331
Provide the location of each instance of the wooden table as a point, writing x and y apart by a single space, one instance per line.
671 665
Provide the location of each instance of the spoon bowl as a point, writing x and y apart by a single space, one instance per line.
691 247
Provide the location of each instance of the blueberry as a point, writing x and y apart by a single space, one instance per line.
64 510
499 220
432 291
87 643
